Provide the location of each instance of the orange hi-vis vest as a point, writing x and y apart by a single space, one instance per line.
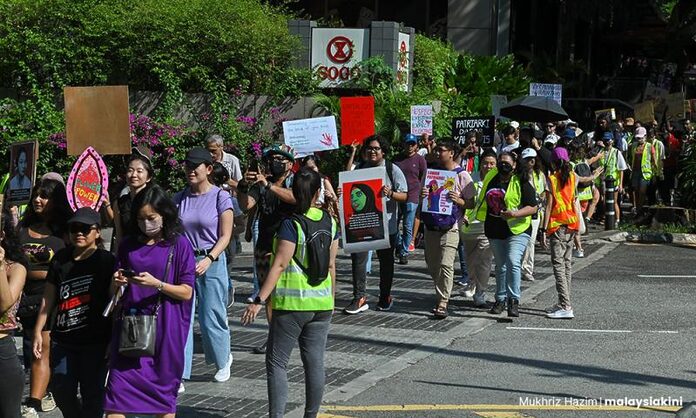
563 210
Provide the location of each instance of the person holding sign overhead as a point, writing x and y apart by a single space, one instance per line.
441 229
395 189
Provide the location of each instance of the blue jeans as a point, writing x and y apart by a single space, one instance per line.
461 252
407 213
85 367
508 255
212 292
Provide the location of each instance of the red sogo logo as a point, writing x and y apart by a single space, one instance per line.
339 50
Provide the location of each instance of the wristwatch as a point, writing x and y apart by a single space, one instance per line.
211 258
258 301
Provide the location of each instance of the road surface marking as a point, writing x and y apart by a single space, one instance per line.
666 276
606 331
492 407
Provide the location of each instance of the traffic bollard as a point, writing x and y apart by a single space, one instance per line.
609 212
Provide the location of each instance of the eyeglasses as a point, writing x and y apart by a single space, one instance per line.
373 149
439 150
83 229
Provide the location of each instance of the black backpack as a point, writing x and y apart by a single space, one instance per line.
582 169
318 241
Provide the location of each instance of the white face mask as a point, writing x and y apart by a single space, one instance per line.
150 227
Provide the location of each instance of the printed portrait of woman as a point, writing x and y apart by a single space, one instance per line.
365 221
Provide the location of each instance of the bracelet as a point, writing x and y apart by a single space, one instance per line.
211 258
160 287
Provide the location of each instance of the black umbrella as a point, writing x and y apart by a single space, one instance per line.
534 109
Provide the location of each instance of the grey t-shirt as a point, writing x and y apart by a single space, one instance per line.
392 205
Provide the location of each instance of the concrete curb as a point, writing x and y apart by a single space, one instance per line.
678 239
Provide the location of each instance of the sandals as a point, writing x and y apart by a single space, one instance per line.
440 311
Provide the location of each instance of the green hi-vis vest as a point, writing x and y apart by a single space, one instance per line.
584 193
293 292
513 199
645 162
611 165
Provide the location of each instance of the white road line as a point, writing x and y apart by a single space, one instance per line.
666 276
606 331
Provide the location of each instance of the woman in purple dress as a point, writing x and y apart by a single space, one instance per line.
148 385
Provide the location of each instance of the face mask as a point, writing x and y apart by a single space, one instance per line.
277 168
505 168
150 227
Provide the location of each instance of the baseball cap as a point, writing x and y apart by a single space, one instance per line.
410 138
568 133
53 176
87 216
560 154
551 139
608 136
276 149
515 124
529 153
641 132
198 155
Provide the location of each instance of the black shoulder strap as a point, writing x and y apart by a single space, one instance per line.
390 166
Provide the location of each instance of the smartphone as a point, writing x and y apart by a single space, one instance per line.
254 166
128 273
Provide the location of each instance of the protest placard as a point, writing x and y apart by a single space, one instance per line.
357 119
422 119
439 183
676 109
484 125
611 112
306 136
554 91
23 157
362 210
97 117
88 182
644 112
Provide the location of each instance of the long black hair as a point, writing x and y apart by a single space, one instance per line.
305 184
10 241
370 204
161 203
59 213
564 169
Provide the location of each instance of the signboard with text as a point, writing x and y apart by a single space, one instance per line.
335 53
88 182
403 66
484 126
306 136
357 119
554 91
422 119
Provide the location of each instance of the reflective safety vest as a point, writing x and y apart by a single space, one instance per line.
584 193
646 161
563 209
293 291
611 165
513 199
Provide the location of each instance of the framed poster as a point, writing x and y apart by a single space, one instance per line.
362 209
439 183
23 157
97 117
88 182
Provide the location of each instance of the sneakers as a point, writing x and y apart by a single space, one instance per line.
513 308
561 314
251 297
480 301
498 308
356 306
411 248
385 304
47 403
261 349
468 290
462 282
403 259
182 389
223 375
578 253
29 412
553 308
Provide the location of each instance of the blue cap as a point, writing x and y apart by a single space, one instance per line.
569 133
608 136
410 138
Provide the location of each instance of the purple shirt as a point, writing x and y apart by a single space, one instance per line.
200 215
414 168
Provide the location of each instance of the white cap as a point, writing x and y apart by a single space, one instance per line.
515 124
529 153
551 139
641 132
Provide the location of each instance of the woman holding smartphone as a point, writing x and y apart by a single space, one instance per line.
156 267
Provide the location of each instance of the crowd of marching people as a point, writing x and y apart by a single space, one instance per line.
116 325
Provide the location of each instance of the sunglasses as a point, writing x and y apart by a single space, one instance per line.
83 229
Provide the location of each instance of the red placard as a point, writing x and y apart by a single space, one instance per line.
357 119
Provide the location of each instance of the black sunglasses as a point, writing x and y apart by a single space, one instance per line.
78 228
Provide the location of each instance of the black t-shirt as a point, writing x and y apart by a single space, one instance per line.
495 226
39 252
270 211
82 293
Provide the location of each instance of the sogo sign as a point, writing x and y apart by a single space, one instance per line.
335 53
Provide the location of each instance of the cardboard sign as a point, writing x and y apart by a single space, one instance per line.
306 136
497 102
357 119
23 157
554 91
644 112
676 108
422 120
363 210
485 125
97 117
439 183
88 182
611 112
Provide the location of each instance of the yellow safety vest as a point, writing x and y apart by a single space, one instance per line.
645 162
293 291
513 199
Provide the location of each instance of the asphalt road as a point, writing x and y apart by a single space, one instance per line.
633 338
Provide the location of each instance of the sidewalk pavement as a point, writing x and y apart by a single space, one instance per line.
362 350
